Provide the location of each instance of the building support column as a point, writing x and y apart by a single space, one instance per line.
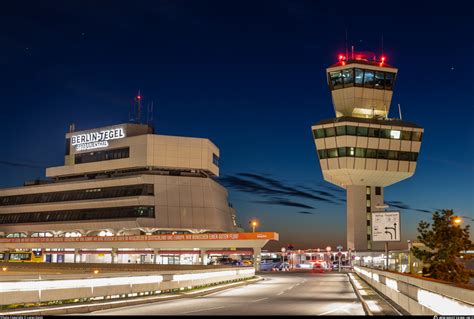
203 257
156 253
76 255
114 256
257 257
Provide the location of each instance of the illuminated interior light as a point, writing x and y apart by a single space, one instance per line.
392 284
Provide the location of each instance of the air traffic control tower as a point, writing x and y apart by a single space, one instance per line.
361 149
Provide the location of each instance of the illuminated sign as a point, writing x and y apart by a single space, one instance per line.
93 140
386 226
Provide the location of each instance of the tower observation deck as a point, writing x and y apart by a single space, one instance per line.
361 149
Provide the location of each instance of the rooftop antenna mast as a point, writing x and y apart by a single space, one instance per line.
347 52
139 108
382 45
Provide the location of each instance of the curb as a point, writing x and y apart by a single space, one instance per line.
88 308
359 296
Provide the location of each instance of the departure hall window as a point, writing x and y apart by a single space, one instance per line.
336 80
348 76
359 77
379 80
368 79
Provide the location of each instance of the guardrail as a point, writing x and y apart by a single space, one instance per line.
419 296
112 285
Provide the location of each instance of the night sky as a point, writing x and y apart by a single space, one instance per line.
249 75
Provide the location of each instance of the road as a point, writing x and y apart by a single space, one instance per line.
278 294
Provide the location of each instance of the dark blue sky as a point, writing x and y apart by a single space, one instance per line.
249 75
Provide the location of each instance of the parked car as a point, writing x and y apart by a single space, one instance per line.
269 264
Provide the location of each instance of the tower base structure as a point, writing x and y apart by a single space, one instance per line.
361 201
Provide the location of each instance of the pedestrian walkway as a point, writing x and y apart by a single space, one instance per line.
376 304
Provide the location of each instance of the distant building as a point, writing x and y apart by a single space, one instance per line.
361 149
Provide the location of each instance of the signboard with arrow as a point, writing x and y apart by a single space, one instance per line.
386 226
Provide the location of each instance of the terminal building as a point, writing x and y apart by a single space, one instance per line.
122 180
361 149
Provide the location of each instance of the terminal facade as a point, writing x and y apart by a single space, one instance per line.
361 149
123 180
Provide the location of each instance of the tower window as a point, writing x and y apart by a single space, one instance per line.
351 130
330 131
378 190
379 80
416 136
340 130
359 77
336 80
362 131
332 152
368 236
318 133
348 76
389 77
368 79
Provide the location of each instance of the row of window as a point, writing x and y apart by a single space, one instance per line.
361 78
83 194
98 156
367 153
79 215
368 132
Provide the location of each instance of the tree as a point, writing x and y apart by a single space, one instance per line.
445 241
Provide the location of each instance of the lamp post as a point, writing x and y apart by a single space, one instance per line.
254 224
283 249
457 221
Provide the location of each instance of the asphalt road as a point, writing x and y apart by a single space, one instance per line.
279 294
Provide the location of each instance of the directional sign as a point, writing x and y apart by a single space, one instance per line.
386 226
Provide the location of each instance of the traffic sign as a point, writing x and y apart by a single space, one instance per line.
339 247
386 226
339 254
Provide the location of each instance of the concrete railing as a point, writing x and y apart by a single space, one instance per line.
44 288
420 296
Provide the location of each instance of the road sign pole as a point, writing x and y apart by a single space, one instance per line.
386 255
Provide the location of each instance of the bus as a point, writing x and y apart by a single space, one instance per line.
35 256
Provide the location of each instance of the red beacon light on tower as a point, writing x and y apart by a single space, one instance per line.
382 60
342 59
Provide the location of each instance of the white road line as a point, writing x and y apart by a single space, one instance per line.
280 293
260 299
203 310
337 309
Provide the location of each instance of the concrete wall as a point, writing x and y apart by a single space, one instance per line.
420 296
34 289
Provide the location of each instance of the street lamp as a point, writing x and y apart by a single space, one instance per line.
457 220
283 249
254 224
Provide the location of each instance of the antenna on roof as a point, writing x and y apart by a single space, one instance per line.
72 127
347 52
352 58
382 45
400 111
139 108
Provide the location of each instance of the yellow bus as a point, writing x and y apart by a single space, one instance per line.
35 256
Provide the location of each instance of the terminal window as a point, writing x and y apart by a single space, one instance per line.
79 215
98 156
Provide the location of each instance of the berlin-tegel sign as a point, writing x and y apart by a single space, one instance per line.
386 226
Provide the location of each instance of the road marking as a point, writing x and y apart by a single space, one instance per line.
260 299
280 293
203 310
337 309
